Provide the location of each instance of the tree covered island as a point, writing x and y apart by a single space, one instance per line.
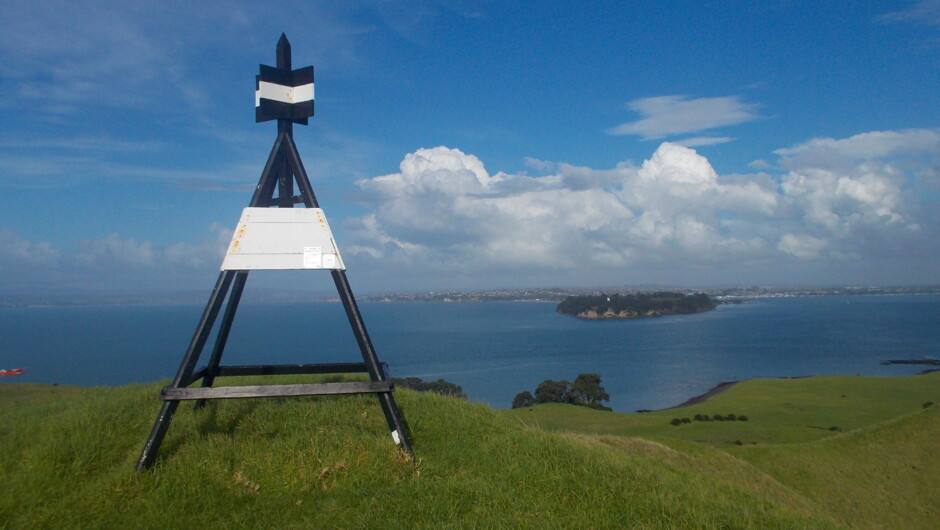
596 307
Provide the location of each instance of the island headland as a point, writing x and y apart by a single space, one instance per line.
629 306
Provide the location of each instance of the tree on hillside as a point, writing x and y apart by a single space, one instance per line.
587 391
523 399
550 391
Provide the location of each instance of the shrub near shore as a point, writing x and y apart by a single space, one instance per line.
586 391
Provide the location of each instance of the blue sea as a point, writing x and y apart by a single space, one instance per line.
494 350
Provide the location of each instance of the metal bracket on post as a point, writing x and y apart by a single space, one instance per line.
287 96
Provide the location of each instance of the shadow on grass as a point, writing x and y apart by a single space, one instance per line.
209 421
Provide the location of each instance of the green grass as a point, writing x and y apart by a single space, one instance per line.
880 467
778 410
67 456
885 475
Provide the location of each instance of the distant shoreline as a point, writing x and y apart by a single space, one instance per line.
701 398
198 296
724 386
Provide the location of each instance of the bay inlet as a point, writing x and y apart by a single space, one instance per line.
495 349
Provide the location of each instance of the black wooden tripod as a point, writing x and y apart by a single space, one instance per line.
281 171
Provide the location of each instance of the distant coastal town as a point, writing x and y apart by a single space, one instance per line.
536 294
723 295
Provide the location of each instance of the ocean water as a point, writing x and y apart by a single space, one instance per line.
493 349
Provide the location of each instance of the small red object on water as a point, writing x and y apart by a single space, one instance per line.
15 371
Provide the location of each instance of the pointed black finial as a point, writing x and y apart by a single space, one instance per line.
283 52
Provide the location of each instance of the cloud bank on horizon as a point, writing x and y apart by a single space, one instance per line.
838 202
750 147
845 206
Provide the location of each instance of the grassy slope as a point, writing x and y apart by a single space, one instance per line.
67 456
880 469
293 463
778 410
884 476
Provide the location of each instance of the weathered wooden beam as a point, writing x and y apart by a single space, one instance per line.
314 389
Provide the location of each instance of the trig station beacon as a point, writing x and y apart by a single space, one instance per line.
272 234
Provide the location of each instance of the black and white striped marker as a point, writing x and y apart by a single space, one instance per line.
284 94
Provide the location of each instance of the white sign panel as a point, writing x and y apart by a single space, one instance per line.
282 239
285 94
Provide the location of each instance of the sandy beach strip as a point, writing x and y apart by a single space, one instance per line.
701 398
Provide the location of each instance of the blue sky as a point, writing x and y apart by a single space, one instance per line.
479 144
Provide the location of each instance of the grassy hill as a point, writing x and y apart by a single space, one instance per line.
67 457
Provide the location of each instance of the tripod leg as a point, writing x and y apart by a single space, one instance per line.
212 368
395 423
392 415
198 342
149 453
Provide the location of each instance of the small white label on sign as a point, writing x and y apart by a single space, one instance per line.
313 257
396 437
329 261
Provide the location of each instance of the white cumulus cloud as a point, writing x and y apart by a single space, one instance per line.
849 187
444 209
801 246
830 202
